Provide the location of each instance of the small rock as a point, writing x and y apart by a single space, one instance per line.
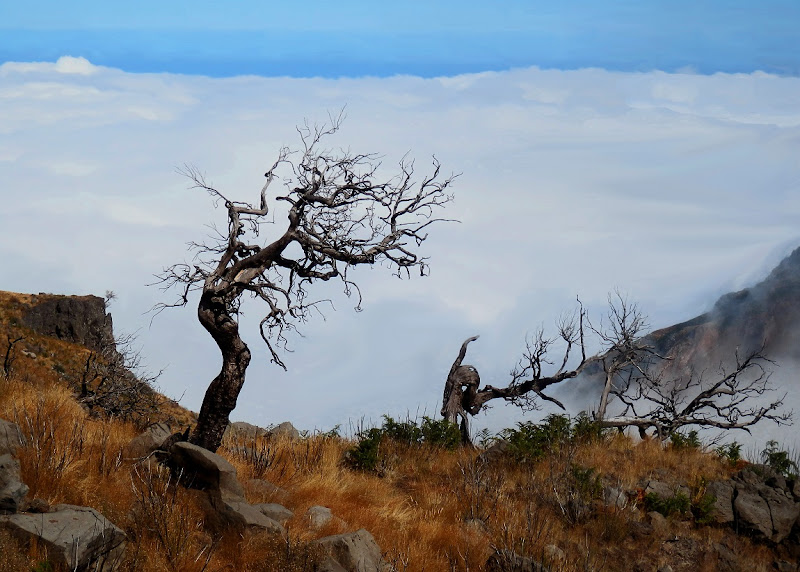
614 497
355 551
319 516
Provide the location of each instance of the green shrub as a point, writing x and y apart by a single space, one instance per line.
778 460
531 442
585 429
365 455
678 503
702 508
731 452
401 431
441 433
689 441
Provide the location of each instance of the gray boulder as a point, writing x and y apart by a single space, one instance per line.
354 552
12 489
10 437
201 469
243 429
150 440
276 512
285 429
77 538
320 516
251 517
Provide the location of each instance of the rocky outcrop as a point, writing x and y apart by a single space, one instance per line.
77 538
12 489
354 552
77 319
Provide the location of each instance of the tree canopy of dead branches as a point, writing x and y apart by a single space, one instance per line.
635 380
340 213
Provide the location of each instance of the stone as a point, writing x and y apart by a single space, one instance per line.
251 517
12 489
722 510
77 538
508 561
666 491
10 437
355 551
276 512
614 497
319 516
201 469
285 429
148 441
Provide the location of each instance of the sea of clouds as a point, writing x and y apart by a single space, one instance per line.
674 188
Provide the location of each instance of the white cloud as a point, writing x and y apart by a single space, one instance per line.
672 187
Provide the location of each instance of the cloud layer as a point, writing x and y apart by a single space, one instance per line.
673 187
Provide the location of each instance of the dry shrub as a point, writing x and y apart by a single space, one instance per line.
164 512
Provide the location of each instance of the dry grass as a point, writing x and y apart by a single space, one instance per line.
429 509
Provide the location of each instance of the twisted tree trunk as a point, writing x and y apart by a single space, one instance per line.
222 393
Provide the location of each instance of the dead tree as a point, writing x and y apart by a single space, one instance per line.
339 214
463 396
734 399
643 383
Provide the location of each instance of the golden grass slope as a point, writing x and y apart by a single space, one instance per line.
429 509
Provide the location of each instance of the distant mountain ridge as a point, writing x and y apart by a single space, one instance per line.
767 314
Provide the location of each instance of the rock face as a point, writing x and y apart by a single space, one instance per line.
77 538
355 552
77 319
757 501
769 311
12 490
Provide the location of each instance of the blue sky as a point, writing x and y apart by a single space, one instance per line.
355 38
